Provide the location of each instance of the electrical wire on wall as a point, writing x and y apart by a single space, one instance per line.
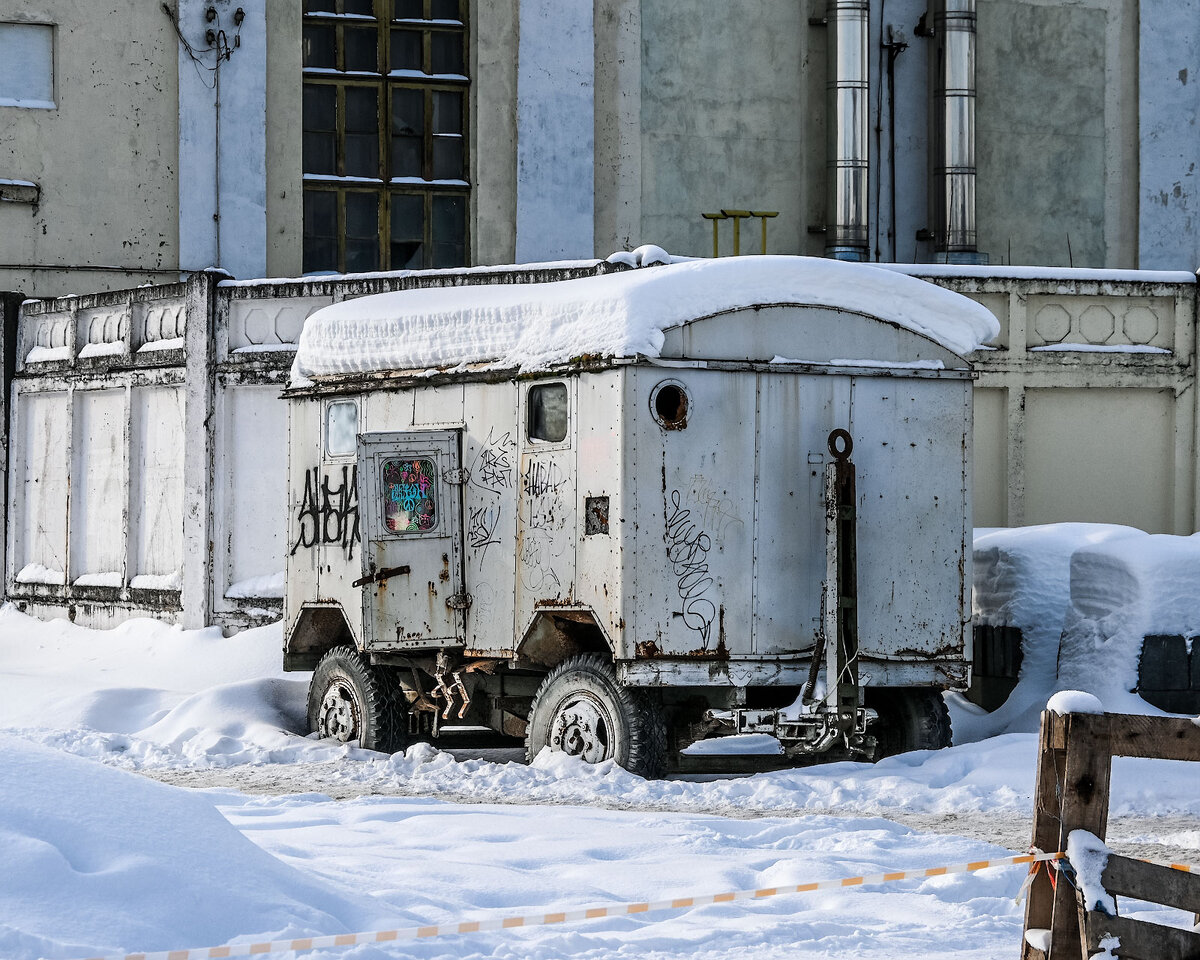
220 49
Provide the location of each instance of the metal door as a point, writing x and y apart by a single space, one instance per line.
412 580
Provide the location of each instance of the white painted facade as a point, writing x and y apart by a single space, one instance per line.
555 131
222 140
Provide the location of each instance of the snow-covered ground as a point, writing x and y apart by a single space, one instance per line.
100 860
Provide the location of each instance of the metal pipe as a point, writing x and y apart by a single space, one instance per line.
952 150
847 88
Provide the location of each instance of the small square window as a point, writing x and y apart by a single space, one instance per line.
548 412
341 429
27 65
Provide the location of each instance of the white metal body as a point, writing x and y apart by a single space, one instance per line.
703 558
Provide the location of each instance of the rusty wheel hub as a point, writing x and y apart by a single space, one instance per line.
341 713
582 728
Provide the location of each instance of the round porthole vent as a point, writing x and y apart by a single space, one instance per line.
669 404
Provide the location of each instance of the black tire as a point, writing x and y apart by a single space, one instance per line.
582 710
348 700
909 719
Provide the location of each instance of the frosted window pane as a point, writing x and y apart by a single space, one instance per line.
26 65
341 429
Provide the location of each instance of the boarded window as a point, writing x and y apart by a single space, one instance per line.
409 495
27 65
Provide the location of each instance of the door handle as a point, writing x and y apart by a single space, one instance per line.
380 575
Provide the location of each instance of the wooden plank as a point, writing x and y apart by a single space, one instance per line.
1039 906
1167 738
1153 883
1141 940
1084 788
1057 729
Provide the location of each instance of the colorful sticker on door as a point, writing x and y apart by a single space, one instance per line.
409 496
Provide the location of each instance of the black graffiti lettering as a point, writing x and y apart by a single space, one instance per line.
687 552
543 506
543 478
329 514
493 466
481 528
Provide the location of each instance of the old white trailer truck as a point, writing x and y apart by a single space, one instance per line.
617 514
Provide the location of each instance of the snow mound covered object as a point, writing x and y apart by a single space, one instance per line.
1021 577
623 314
1121 592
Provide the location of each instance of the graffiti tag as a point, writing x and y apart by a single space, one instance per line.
538 555
542 483
687 552
328 514
481 527
493 466
719 513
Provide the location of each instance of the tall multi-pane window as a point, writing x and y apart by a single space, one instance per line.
385 148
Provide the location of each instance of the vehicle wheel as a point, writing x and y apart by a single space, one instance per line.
581 710
348 700
909 719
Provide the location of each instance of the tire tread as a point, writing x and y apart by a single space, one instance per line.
385 725
647 730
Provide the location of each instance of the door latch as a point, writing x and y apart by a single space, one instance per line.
457 477
459 601
380 575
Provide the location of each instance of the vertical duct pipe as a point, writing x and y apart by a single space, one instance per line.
846 130
952 146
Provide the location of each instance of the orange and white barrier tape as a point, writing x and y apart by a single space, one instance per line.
566 916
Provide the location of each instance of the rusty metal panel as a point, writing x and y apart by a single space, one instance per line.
490 513
693 550
411 582
546 504
911 450
796 414
305 528
600 502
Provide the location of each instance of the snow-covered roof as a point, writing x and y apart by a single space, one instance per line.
535 326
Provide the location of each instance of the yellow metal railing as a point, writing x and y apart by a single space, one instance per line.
737 216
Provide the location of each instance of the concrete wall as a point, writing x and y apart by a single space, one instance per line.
730 118
493 132
1169 135
555 127
104 158
222 138
1086 409
1057 134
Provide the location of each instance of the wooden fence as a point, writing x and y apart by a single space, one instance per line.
1072 793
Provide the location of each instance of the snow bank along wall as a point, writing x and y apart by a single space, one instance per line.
147 452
